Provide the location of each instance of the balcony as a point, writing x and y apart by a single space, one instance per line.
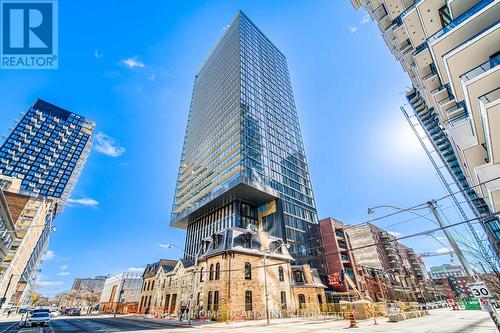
476 20
483 68
345 258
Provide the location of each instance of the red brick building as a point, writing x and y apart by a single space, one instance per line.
338 253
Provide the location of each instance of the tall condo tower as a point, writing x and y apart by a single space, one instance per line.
243 150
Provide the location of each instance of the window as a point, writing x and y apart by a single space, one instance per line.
201 274
320 300
248 271
281 274
283 300
247 241
209 301
198 299
211 275
302 301
248 300
217 271
298 277
216 300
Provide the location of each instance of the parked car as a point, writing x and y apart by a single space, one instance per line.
41 318
74 312
54 313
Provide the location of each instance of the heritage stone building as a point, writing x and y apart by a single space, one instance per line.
149 278
235 268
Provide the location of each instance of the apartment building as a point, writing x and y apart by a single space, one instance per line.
339 257
450 50
396 263
243 148
40 162
7 228
446 270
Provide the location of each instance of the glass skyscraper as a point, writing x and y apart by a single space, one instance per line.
243 148
47 150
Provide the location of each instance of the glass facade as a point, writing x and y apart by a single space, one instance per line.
243 128
46 150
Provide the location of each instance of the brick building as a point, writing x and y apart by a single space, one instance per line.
229 280
339 257
393 263
121 294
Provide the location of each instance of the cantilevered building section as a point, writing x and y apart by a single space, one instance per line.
450 50
243 148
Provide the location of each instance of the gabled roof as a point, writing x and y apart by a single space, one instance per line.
152 269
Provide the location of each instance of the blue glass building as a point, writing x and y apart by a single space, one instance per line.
47 150
243 148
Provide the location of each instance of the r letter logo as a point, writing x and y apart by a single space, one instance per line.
28 34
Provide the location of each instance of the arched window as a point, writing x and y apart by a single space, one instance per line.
281 274
216 300
209 301
302 301
217 271
248 271
211 274
248 300
201 274
283 300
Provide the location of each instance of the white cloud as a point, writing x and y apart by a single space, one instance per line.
365 19
132 63
442 250
353 28
107 146
63 273
97 54
394 233
83 201
63 267
165 246
49 255
135 269
48 284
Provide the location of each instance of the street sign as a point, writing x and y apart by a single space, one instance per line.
479 289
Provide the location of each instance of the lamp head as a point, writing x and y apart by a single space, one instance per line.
371 211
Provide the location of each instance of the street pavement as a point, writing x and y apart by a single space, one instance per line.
439 321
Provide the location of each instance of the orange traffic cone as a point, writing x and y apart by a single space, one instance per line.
352 320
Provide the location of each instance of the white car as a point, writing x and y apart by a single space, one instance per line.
41 318
54 313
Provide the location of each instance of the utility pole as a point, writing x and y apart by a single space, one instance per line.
120 292
191 294
265 290
432 206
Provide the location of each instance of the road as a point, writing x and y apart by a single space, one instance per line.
440 321
90 325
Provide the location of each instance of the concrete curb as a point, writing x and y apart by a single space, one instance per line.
166 323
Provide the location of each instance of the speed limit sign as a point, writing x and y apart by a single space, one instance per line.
479 290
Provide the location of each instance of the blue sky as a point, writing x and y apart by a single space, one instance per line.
130 66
